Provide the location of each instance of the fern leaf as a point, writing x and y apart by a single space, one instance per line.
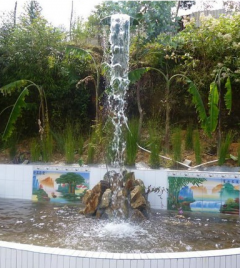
15 113
228 95
135 75
16 85
213 108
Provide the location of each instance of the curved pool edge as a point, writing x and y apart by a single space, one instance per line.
14 255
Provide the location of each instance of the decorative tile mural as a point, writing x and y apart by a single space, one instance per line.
59 186
203 194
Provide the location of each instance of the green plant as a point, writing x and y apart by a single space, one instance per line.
197 147
20 104
209 123
69 144
224 147
189 138
12 145
154 160
35 150
47 148
131 142
80 145
238 154
59 140
91 148
177 144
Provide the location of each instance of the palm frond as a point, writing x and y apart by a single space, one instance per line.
213 108
11 87
15 113
197 101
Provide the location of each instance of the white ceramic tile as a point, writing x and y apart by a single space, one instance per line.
30 259
19 172
95 177
199 263
13 260
92 263
99 263
59 261
41 260
112 263
66 261
72 262
27 191
140 174
229 261
176 263
19 259
47 261
140 264
2 172
36 260
85 262
120 264
134 264
2 188
147 263
3 258
9 188
167 264
24 262
54 261
185 263
18 190
106 264
80 262
28 173
217 261
223 262
10 173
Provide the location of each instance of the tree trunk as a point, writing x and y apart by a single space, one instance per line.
71 23
15 14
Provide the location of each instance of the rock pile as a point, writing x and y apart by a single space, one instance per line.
117 195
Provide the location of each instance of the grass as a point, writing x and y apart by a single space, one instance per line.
47 148
177 144
197 147
35 150
189 138
131 142
69 144
224 147
154 160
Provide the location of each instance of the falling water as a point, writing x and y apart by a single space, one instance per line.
119 41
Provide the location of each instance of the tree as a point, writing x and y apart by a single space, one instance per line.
72 179
154 16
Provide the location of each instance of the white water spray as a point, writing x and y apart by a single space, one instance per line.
119 41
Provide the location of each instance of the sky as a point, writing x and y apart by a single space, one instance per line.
57 12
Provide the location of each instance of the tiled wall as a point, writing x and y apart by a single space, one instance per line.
26 256
16 180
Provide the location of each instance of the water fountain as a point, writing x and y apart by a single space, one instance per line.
119 193
149 240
